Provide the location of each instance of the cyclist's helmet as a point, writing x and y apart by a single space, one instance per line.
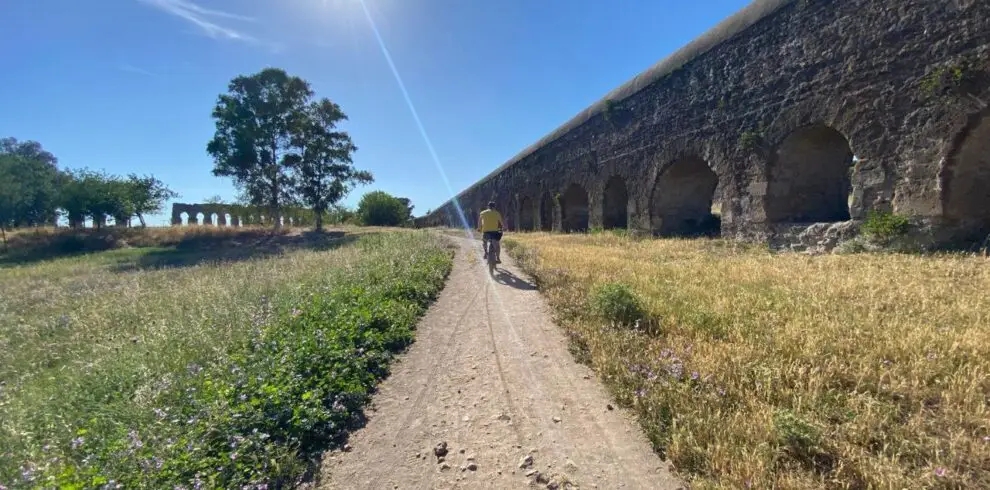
491 204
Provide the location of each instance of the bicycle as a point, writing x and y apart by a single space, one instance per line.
492 249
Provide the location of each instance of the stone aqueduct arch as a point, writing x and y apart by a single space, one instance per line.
750 130
232 215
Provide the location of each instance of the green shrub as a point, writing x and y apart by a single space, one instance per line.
616 302
795 432
379 208
885 226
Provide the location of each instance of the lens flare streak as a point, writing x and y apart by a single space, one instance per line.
415 115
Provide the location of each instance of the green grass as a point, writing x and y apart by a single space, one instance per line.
783 370
217 373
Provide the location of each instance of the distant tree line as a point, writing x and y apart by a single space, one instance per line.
34 191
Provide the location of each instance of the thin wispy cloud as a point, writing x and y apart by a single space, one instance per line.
133 69
205 19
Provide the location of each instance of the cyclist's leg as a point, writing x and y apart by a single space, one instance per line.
484 244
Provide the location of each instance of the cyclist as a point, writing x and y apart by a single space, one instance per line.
490 225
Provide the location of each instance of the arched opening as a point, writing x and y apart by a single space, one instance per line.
527 214
966 182
228 219
681 204
574 209
214 219
809 179
615 204
508 216
184 218
546 212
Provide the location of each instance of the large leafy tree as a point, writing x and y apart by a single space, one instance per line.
27 193
75 197
254 141
148 195
28 184
30 150
324 169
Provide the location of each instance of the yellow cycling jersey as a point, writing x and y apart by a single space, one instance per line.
491 220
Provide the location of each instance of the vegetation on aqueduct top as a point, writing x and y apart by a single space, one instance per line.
205 374
757 370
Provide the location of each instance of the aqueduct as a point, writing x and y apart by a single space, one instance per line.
789 113
232 215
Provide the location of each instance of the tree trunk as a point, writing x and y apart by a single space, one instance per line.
319 220
276 218
4 233
141 219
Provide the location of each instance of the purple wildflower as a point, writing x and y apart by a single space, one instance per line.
194 369
676 370
160 413
640 393
940 472
721 391
986 438
296 312
665 353
77 442
695 375
135 440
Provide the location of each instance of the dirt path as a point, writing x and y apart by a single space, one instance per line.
491 376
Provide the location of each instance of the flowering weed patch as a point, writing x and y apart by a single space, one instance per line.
230 375
784 370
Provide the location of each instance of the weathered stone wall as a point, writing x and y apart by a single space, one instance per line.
217 214
238 215
777 100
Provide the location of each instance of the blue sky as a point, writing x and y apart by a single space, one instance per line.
128 85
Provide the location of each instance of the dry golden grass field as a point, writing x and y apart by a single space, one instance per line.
757 370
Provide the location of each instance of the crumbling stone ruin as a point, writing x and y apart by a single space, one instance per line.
788 122
230 215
